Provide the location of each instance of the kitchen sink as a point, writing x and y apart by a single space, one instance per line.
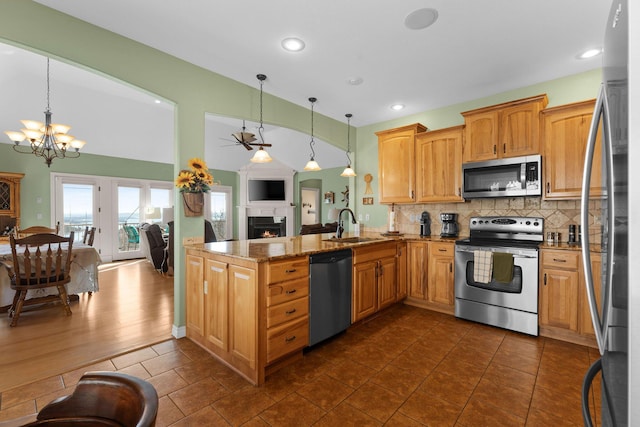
352 239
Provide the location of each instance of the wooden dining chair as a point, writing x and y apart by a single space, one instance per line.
89 234
39 261
36 229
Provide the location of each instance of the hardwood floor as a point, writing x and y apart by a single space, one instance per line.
133 309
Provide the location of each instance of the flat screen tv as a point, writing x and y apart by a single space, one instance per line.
266 190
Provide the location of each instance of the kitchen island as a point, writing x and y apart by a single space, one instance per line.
247 301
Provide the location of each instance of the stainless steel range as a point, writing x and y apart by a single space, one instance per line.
496 272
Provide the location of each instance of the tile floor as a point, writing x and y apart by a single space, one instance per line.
407 367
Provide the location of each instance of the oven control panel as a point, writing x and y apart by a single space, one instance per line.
507 225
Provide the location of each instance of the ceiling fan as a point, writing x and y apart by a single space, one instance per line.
246 139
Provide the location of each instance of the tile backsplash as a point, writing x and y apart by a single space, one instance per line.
558 215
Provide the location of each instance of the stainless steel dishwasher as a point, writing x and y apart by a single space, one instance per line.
329 294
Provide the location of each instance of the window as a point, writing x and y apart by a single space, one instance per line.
220 213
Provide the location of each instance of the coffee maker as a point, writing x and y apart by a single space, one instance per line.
449 225
425 224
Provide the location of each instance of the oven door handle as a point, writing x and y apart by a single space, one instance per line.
514 255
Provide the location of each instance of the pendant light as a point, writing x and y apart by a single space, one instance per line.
312 165
348 172
261 156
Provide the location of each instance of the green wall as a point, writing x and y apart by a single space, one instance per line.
195 92
330 181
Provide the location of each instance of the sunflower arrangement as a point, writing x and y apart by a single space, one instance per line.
196 179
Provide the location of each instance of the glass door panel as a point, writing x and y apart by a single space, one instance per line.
129 202
79 208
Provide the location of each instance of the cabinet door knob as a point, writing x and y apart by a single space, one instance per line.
290 312
290 291
545 279
293 270
494 149
291 338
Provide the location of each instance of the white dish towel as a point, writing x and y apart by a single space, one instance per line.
482 266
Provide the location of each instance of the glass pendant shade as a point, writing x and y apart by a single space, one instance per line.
261 156
348 172
312 165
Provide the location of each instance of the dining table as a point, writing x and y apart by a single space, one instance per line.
84 273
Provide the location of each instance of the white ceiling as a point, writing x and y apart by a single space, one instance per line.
474 49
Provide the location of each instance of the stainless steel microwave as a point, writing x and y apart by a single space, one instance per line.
512 177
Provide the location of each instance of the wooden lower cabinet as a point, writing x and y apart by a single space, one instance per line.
440 287
431 276
402 273
418 269
563 307
248 314
374 279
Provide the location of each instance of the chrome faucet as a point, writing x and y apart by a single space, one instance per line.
340 228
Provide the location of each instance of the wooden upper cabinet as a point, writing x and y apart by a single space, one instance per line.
481 132
396 163
504 130
565 130
439 165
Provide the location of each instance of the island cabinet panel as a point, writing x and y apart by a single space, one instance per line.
243 315
217 303
194 289
396 164
374 282
222 309
511 129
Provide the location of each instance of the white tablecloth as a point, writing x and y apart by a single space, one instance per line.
84 274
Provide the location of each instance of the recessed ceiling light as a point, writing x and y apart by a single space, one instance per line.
590 53
292 44
421 18
157 101
397 107
355 81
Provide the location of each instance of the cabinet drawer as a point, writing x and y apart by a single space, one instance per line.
374 252
287 291
286 338
287 269
441 249
561 259
281 313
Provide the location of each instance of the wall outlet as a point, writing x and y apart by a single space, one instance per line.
39 216
194 240
366 217
360 217
412 218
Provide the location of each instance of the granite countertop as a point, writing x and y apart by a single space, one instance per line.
570 247
261 250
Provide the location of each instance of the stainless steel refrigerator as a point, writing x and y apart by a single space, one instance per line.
609 310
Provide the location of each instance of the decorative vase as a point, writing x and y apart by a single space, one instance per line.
193 203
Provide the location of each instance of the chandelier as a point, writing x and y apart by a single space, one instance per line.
47 140
261 156
312 165
348 172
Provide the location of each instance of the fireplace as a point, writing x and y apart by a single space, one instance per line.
266 217
259 227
